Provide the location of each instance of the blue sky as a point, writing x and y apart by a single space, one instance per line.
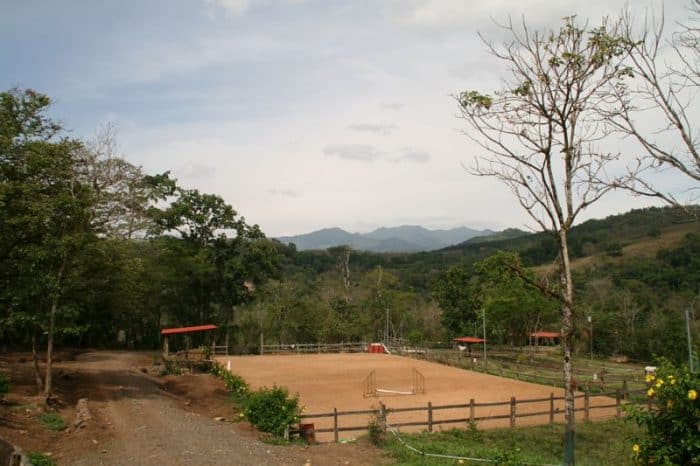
302 114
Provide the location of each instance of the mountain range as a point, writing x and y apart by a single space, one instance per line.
405 238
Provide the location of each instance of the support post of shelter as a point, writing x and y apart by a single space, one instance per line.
166 346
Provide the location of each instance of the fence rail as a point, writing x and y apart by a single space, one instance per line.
384 412
306 348
602 379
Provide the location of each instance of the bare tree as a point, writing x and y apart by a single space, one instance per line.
121 197
667 76
540 134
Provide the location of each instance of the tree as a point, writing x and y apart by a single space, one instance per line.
516 306
222 258
120 189
454 292
43 220
539 135
667 76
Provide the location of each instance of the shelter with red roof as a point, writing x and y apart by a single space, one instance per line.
468 341
166 332
544 337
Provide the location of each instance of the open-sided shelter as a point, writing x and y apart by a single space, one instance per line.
468 341
167 332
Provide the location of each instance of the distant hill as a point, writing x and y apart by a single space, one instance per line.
405 238
508 233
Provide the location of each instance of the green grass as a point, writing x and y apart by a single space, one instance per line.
38 459
52 421
597 444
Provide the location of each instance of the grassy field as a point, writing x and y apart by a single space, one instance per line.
597 444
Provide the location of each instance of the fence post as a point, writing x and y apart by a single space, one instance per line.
381 416
551 408
335 424
586 406
512 411
430 416
472 408
617 402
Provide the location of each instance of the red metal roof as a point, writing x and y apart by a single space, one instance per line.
546 334
469 340
198 328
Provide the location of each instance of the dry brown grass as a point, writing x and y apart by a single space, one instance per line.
644 247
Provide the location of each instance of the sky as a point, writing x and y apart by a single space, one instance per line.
302 114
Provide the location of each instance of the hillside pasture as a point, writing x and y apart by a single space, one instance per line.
328 381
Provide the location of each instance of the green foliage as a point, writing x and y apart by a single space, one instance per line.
39 459
454 291
4 385
170 367
672 427
376 431
52 421
237 386
476 99
272 410
473 430
597 443
507 457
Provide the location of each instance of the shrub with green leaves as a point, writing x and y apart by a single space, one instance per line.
673 425
272 410
39 459
376 431
4 385
237 386
53 421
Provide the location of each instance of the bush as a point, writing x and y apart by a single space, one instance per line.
237 386
272 410
4 385
52 421
672 426
38 459
376 431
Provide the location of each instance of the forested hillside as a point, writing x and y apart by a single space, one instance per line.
635 275
94 252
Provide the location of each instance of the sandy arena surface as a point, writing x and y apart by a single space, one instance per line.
327 381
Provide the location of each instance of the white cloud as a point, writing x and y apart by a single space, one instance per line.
414 156
373 128
234 7
240 7
359 152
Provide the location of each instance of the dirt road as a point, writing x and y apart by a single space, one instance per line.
146 420
149 428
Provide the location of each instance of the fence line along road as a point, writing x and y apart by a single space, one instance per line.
617 398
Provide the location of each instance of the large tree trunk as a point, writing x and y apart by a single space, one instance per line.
35 361
567 331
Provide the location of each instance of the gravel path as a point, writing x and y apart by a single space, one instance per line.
149 428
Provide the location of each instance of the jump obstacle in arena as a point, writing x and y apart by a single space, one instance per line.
369 386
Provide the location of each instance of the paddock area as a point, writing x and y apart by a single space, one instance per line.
328 381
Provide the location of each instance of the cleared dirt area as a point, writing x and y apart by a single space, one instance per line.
327 381
140 418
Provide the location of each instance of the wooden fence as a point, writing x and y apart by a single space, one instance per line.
601 381
512 413
306 348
